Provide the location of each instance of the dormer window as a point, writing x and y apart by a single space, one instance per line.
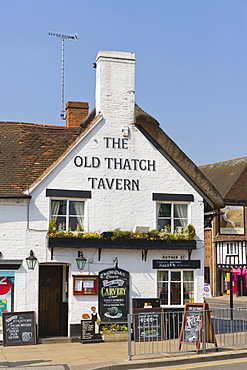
69 214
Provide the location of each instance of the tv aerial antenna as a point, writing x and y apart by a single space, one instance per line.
63 37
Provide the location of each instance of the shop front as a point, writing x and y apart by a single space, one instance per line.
232 267
234 278
119 276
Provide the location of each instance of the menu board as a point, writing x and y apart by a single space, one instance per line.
192 324
113 295
87 329
148 324
191 329
19 328
85 284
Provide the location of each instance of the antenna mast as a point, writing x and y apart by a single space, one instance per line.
63 37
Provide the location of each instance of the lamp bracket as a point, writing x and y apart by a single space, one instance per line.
144 254
99 253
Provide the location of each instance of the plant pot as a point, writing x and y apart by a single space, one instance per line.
115 336
120 243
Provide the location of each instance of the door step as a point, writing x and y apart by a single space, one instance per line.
50 340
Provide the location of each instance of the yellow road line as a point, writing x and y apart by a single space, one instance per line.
213 363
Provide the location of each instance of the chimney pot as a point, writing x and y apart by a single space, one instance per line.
75 113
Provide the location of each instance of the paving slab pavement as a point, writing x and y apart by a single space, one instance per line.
100 356
105 356
226 298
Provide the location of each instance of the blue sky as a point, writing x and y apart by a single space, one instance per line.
191 64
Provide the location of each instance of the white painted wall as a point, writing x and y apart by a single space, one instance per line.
108 208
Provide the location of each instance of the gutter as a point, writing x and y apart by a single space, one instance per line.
17 197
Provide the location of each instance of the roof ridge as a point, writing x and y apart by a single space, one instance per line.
236 179
32 124
227 160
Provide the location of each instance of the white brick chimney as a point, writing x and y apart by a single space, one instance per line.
115 86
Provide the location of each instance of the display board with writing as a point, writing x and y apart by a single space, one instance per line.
176 264
87 329
85 285
195 315
148 324
113 295
19 328
192 324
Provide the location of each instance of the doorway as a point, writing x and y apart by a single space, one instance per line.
53 312
242 285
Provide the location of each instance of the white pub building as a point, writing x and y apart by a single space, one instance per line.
116 195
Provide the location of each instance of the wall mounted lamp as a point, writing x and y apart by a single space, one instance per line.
125 131
81 261
31 260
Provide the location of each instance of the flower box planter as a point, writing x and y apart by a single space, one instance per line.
115 336
120 243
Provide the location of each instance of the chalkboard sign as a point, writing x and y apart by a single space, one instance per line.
148 324
192 325
87 329
191 330
19 328
113 295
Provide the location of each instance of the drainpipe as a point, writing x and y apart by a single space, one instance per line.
214 262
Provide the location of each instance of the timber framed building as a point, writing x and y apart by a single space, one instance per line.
226 232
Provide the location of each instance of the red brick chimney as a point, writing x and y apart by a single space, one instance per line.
75 113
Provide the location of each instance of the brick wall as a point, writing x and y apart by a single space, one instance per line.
75 113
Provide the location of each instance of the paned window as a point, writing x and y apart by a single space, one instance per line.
69 214
175 287
172 216
231 248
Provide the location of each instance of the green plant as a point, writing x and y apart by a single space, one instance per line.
52 225
164 234
153 234
114 327
191 232
117 233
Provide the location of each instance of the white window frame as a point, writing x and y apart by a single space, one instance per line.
169 281
172 213
67 210
231 248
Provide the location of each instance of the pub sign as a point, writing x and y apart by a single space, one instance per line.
113 295
178 264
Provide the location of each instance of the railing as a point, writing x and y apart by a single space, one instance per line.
167 332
